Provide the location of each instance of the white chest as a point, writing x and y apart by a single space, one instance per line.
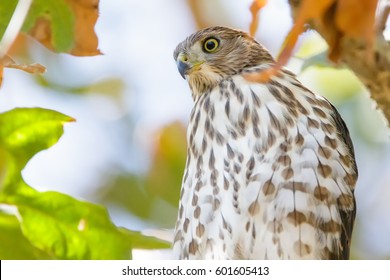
258 167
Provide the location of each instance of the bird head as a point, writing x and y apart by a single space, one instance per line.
212 54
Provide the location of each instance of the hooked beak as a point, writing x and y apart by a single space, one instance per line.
185 65
183 68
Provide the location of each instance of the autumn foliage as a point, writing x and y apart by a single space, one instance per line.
336 19
51 225
61 26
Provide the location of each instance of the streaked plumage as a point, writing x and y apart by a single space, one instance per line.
270 169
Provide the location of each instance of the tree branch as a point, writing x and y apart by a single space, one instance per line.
374 72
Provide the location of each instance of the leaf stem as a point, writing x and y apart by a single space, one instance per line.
14 26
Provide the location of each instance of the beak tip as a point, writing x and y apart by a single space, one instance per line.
183 68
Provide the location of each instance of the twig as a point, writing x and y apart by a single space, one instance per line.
14 26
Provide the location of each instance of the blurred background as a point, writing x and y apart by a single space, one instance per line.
127 149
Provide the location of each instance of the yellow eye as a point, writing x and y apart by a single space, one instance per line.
210 45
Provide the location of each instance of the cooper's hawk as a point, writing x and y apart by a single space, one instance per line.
270 170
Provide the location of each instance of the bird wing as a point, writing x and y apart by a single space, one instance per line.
347 214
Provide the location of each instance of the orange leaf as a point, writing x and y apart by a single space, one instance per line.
313 9
86 41
356 19
309 10
346 14
255 7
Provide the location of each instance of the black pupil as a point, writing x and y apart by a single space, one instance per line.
210 45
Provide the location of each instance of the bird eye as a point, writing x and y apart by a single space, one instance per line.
210 45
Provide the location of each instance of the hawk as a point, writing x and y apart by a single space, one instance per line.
270 169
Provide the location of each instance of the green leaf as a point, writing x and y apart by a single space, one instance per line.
128 191
57 12
141 241
67 228
26 131
14 246
111 87
7 8
53 225
23 133
62 20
